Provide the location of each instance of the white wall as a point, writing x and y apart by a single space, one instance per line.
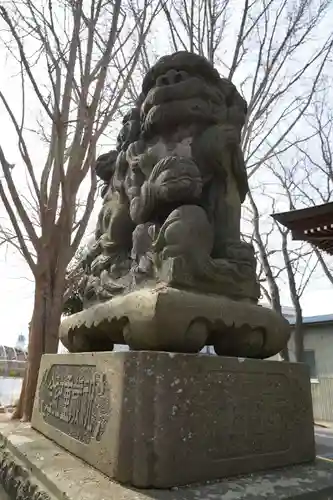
320 340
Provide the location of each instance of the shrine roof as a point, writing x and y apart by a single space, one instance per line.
313 224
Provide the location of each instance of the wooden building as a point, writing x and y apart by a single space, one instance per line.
313 224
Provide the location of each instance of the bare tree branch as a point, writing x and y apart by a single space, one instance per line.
84 50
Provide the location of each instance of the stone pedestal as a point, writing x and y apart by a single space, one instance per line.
152 419
167 319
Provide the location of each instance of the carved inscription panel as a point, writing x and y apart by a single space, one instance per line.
76 400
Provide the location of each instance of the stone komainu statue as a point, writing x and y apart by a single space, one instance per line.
171 211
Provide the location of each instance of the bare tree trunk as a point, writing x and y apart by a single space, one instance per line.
323 264
271 282
43 338
89 71
298 332
36 341
298 336
17 414
19 408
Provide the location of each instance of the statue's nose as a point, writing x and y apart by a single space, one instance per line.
171 77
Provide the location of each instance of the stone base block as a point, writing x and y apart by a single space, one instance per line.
157 420
168 319
34 468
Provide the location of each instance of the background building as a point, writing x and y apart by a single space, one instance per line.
318 354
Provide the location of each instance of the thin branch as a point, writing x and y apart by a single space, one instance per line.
28 226
18 232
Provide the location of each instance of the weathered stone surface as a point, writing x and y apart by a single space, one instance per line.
173 189
170 216
37 469
76 400
175 419
174 320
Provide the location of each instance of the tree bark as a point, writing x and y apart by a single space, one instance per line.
295 299
323 264
19 408
43 338
298 337
272 285
34 354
